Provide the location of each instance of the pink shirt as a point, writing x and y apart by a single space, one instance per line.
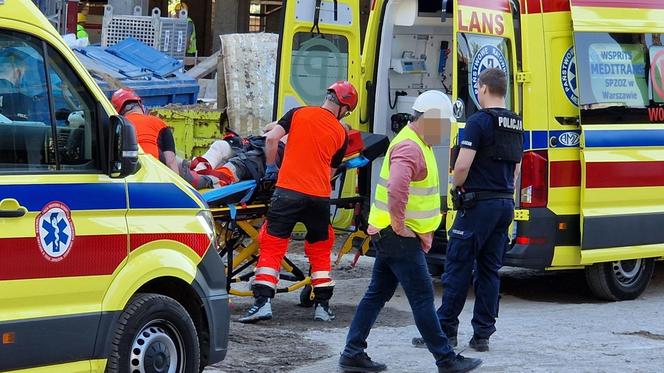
406 164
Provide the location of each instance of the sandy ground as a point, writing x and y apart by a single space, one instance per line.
548 322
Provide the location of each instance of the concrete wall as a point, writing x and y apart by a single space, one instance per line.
230 17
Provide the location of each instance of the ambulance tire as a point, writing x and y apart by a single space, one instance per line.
622 280
151 327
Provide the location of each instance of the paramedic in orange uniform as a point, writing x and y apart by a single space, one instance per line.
152 133
317 141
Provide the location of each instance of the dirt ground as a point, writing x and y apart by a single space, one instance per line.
549 322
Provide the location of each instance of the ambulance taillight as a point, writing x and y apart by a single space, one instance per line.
534 171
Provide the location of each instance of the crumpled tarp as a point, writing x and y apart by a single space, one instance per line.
249 63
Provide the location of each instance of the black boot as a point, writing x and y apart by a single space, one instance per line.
479 344
360 363
459 364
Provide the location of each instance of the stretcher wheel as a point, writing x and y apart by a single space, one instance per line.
305 297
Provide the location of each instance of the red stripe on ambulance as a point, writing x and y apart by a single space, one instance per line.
624 174
96 255
545 6
22 258
565 174
199 242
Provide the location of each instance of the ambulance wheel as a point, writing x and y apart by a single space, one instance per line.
305 297
154 334
621 280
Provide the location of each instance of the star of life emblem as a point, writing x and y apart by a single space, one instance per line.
55 231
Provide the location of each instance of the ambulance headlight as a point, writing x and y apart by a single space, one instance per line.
207 222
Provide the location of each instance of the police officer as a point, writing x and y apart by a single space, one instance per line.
483 191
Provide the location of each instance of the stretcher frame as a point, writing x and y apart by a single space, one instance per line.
238 243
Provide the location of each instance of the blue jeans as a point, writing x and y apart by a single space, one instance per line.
478 241
399 260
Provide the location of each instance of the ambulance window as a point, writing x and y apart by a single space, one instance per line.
25 119
318 60
621 77
477 53
75 116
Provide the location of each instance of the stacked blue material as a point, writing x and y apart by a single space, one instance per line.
153 75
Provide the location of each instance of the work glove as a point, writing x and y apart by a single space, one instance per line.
271 172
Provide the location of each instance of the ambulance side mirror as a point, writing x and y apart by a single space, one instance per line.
123 147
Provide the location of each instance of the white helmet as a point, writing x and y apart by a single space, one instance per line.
434 100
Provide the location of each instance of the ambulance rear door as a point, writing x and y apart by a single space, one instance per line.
620 70
484 37
319 44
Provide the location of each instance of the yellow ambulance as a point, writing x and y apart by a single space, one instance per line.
108 260
586 75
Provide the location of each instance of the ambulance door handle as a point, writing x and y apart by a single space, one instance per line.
10 208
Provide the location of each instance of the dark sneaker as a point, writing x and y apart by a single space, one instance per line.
360 363
479 344
419 342
459 364
261 310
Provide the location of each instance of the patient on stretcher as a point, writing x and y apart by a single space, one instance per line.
234 158
228 161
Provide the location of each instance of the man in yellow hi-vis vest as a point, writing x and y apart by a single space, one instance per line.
405 213
191 29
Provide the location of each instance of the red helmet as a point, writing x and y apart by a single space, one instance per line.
123 96
346 94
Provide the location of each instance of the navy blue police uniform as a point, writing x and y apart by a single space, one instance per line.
479 236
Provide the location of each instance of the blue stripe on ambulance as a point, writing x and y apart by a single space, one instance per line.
99 196
102 196
534 140
624 138
159 196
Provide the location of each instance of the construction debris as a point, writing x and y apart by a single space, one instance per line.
248 63
205 67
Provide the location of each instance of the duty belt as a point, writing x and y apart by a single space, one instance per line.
483 196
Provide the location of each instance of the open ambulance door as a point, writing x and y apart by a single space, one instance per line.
319 45
620 72
484 37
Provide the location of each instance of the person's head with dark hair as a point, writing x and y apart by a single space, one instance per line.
492 88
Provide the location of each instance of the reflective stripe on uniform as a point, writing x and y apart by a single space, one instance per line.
320 274
414 190
411 214
267 271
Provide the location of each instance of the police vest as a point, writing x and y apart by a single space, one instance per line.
508 136
423 207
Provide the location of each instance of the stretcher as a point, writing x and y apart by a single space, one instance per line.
239 211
